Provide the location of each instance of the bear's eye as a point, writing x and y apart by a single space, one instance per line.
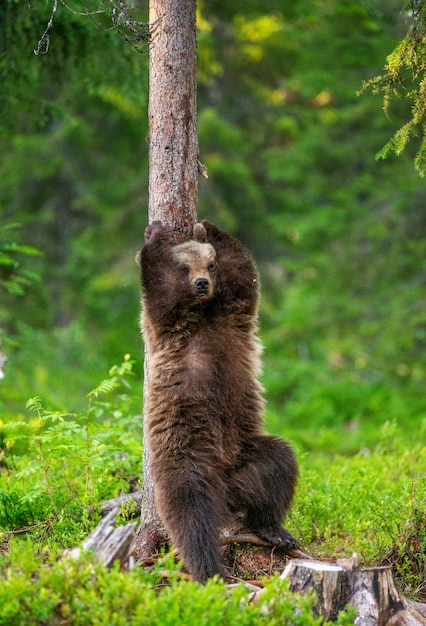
211 267
185 270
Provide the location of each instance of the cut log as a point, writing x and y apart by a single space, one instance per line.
419 607
371 591
110 543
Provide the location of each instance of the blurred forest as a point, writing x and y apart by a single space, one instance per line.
339 237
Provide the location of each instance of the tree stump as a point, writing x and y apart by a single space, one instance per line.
371 591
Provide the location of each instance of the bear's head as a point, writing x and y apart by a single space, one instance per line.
197 261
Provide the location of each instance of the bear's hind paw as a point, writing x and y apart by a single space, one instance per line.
278 537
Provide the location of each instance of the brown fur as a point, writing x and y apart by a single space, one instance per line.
210 456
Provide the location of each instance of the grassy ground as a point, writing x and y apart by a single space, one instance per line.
57 467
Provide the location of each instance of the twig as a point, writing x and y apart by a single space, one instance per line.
43 44
25 529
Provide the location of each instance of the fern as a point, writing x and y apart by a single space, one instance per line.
117 374
15 278
106 386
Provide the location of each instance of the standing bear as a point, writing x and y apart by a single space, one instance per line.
210 457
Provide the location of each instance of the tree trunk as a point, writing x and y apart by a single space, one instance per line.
173 183
173 143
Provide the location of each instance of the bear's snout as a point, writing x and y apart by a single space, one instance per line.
202 286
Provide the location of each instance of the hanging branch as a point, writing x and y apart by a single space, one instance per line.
140 32
134 32
404 76
44 41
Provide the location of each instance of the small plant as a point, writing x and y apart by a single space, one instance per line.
407 555
126 513
73 460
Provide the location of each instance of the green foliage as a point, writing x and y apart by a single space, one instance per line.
404 77
14 278
67 116
289 148
408 554
363 503
71 460
371 503
83 593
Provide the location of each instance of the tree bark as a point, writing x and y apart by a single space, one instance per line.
173 182
173 142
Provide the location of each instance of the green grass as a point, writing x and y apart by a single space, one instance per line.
366 494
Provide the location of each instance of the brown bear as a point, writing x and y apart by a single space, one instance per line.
210 457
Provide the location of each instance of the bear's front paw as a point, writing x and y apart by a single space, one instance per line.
213 233
199 233
151 231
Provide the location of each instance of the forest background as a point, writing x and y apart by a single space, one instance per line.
339 238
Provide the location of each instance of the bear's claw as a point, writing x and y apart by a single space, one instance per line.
278 537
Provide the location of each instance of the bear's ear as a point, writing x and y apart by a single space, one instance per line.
138 258
199 233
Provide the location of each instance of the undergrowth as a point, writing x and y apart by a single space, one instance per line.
364 502
57 467
35 591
